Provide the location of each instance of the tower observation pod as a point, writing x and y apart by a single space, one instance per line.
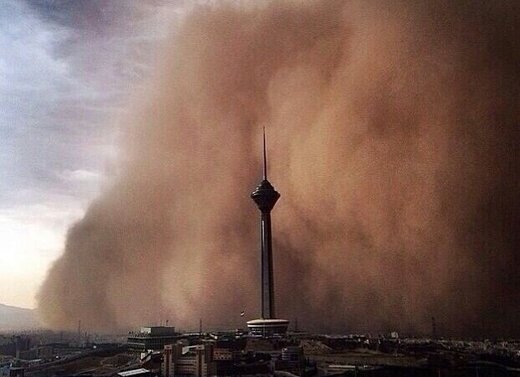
265 197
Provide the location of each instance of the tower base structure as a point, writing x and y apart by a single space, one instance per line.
267 327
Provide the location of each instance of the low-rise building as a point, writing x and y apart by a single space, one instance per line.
152 338
189 361
291 359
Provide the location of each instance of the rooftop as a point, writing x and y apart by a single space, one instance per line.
133 372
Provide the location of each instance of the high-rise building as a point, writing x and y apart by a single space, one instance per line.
265 197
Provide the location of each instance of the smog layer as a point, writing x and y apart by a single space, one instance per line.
392 138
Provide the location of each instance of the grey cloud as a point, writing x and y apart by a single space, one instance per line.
67 67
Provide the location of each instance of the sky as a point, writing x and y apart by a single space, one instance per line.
67 68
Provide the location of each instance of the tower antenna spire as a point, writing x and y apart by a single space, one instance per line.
265 157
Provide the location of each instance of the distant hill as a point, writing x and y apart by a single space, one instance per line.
14 318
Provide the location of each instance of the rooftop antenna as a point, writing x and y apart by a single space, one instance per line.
265 158
79 331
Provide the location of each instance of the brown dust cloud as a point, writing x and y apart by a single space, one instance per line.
392 138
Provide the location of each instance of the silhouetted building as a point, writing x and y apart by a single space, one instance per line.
16 372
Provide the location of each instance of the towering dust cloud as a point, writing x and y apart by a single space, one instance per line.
392 129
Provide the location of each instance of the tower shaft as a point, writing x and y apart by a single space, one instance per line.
268 310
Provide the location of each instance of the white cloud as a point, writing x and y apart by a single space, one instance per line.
31 238
80 175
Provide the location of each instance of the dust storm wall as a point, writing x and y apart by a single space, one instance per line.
392 137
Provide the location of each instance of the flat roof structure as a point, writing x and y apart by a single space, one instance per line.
267 327
134 372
